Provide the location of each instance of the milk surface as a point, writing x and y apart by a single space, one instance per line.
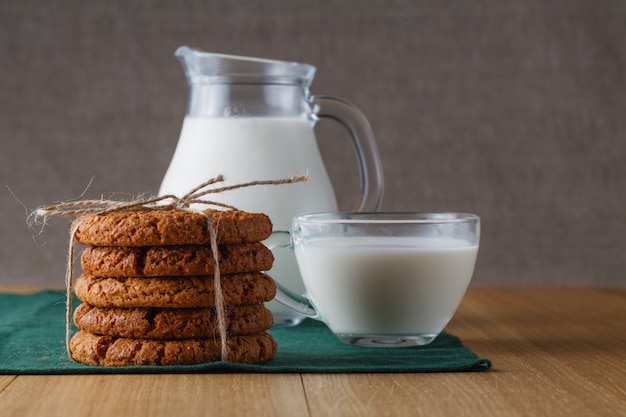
386 285
248 149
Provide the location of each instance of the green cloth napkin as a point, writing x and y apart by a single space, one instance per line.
32 341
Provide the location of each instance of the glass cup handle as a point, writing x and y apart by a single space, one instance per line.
298 303
370 167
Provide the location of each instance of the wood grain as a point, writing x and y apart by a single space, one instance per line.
556 352
5 380
155 395
562 352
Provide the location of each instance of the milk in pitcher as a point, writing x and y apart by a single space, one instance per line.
247 149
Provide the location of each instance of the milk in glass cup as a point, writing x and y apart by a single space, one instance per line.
383 279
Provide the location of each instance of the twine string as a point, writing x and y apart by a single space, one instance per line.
165 202
69 287
218 297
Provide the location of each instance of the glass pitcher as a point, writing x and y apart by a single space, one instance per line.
252 119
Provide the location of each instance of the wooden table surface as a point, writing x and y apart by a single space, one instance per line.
555 351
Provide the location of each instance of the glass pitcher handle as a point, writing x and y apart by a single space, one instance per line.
370 167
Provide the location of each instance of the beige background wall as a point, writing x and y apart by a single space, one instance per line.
515 110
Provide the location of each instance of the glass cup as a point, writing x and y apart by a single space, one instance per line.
383 279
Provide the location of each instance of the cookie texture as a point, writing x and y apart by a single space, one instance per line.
171 323
170 227
148 289
95 349
105 261
174 292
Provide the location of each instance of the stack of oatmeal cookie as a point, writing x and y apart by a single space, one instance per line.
148 288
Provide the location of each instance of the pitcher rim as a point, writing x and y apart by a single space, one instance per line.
229 68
